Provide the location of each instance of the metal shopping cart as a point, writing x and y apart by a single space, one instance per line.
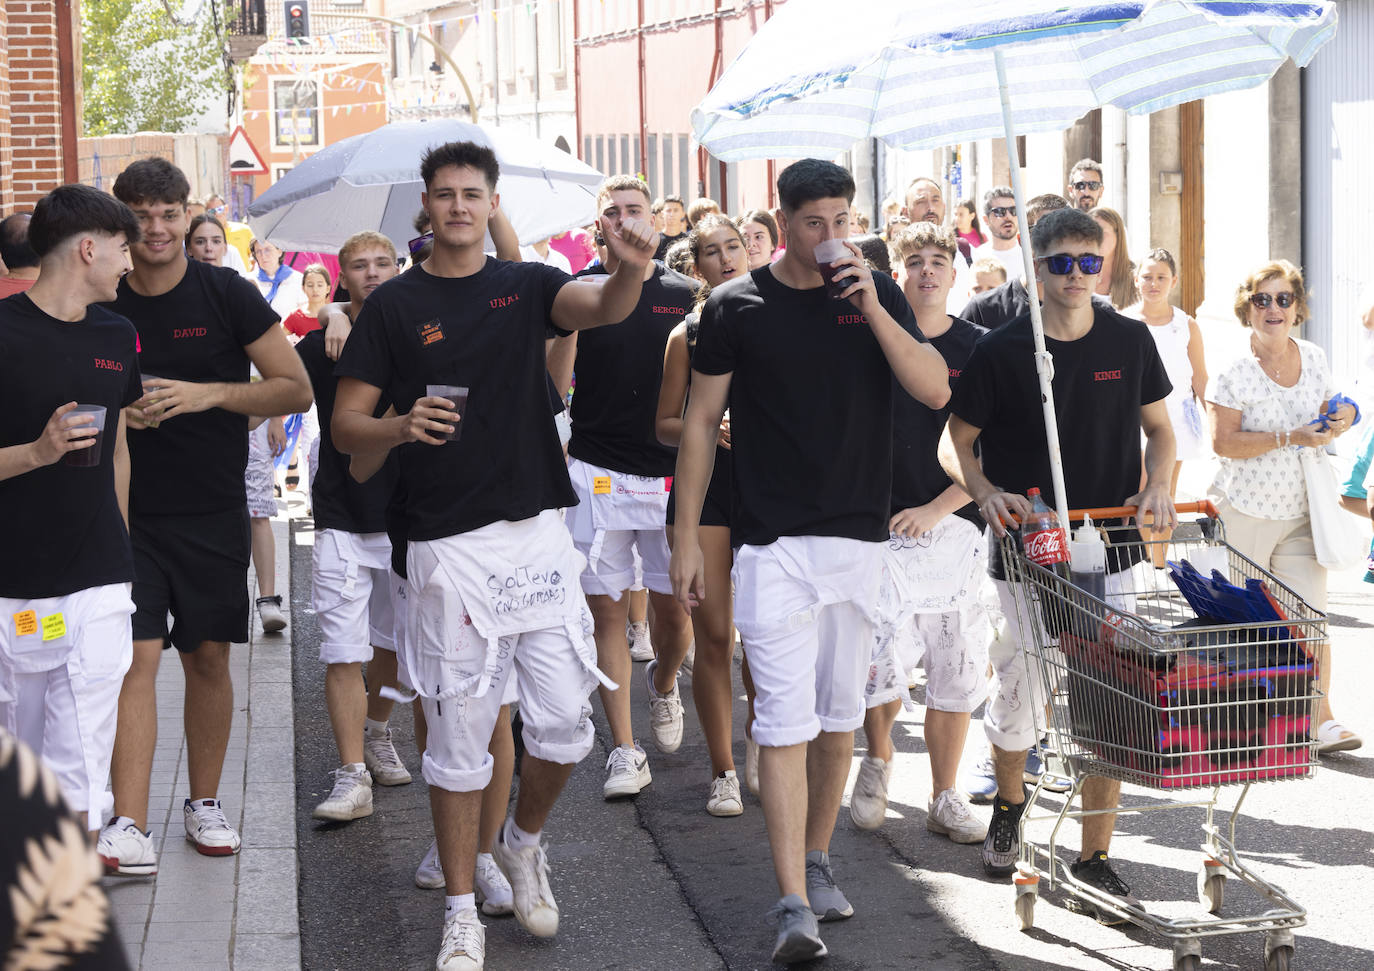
1145 688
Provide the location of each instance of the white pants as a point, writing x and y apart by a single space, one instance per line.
61 696
622 538
934 606
463 678
1015 716
804 606
351 592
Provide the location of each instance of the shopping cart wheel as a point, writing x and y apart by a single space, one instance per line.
1278 950
1187 954
1211 889
1025 910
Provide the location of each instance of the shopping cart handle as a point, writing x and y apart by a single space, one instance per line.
1203 506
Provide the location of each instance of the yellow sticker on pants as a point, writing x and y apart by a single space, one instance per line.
54 626
601 485
25 623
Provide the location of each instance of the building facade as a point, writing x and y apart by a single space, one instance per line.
642 65
299 96
40 98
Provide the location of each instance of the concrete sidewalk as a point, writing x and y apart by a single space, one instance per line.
236 912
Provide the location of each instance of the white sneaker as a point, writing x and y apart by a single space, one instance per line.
492 889
429 875
641 648
464 944
208 829
751 764
627 772
528 873
351 797
380 757
725 799
126 850
949 814
665 713
868 802
273 618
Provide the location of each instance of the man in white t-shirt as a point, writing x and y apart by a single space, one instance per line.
542 252
999 216
925 202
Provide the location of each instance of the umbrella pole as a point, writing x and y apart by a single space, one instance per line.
1044 361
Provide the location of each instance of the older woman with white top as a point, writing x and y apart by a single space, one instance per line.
1260 408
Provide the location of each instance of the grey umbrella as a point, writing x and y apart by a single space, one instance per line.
372 181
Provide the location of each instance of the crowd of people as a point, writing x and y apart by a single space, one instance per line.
820 454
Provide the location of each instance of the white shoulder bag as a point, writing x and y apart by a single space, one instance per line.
1340 546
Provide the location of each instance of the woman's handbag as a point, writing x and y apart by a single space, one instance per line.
1340 545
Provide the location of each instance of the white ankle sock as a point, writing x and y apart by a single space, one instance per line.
458 903
374 728
516 838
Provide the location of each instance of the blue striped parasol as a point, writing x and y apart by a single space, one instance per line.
822 75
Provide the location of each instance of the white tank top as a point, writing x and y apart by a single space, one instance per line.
1172 341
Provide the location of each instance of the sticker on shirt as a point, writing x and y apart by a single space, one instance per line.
25 623
54 627
601 485
431 332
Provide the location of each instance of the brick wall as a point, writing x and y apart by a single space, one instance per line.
32 149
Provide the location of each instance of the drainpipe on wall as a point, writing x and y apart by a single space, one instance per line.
577 74
66 66
643 161
702 179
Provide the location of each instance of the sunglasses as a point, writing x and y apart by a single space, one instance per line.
1263 300
1062 265
419 243
1002 211
1087 186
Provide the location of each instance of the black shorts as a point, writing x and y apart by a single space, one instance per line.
715 508
196 568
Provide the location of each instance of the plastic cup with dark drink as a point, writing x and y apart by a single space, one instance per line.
459 397
88 457
827 253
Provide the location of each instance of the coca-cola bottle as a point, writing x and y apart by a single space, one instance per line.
1046 543
1043 539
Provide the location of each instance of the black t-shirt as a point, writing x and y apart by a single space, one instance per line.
1100 383
339 501
1001 305
619 370
917 477
193 464
64 530
810 407
665 243
484 332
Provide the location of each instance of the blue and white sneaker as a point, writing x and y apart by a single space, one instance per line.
1035 768
980 780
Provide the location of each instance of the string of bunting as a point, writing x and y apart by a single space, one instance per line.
364 34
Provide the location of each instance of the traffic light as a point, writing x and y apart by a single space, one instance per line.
297 18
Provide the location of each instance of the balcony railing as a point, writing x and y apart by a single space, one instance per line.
247 26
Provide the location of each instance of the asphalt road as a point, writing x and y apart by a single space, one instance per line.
657 883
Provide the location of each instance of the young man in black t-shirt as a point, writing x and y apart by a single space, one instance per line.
351 583
620 472
1108 384
64 485
674 224
808 379
934 564
491 568
201 327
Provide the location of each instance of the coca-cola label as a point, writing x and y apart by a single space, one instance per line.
1047 546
